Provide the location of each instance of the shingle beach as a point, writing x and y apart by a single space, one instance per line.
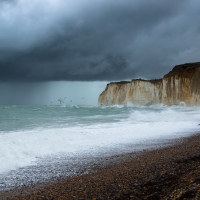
171 172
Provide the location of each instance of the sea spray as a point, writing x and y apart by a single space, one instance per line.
30 134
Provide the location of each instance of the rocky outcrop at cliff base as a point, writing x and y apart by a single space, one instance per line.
182 84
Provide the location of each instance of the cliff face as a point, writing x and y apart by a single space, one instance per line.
182 84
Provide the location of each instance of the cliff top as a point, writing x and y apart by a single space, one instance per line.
120 82
138 79
155 81
185 70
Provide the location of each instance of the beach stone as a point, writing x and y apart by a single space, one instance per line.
145 176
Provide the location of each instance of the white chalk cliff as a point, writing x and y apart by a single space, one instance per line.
182 84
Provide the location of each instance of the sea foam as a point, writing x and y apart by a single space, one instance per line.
94 129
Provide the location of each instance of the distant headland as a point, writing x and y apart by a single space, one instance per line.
182 84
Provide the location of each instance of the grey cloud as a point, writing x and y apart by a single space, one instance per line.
107 40
7 1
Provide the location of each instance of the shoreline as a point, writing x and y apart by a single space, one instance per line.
169 172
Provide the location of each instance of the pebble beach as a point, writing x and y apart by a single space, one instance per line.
170 172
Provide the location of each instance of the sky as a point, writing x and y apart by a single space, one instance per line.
55 48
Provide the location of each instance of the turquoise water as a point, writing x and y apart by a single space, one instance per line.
14 118
30 134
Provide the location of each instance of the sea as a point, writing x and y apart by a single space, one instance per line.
39 143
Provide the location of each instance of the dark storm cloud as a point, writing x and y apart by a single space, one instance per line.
96 40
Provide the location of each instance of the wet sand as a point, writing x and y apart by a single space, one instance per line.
172 172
